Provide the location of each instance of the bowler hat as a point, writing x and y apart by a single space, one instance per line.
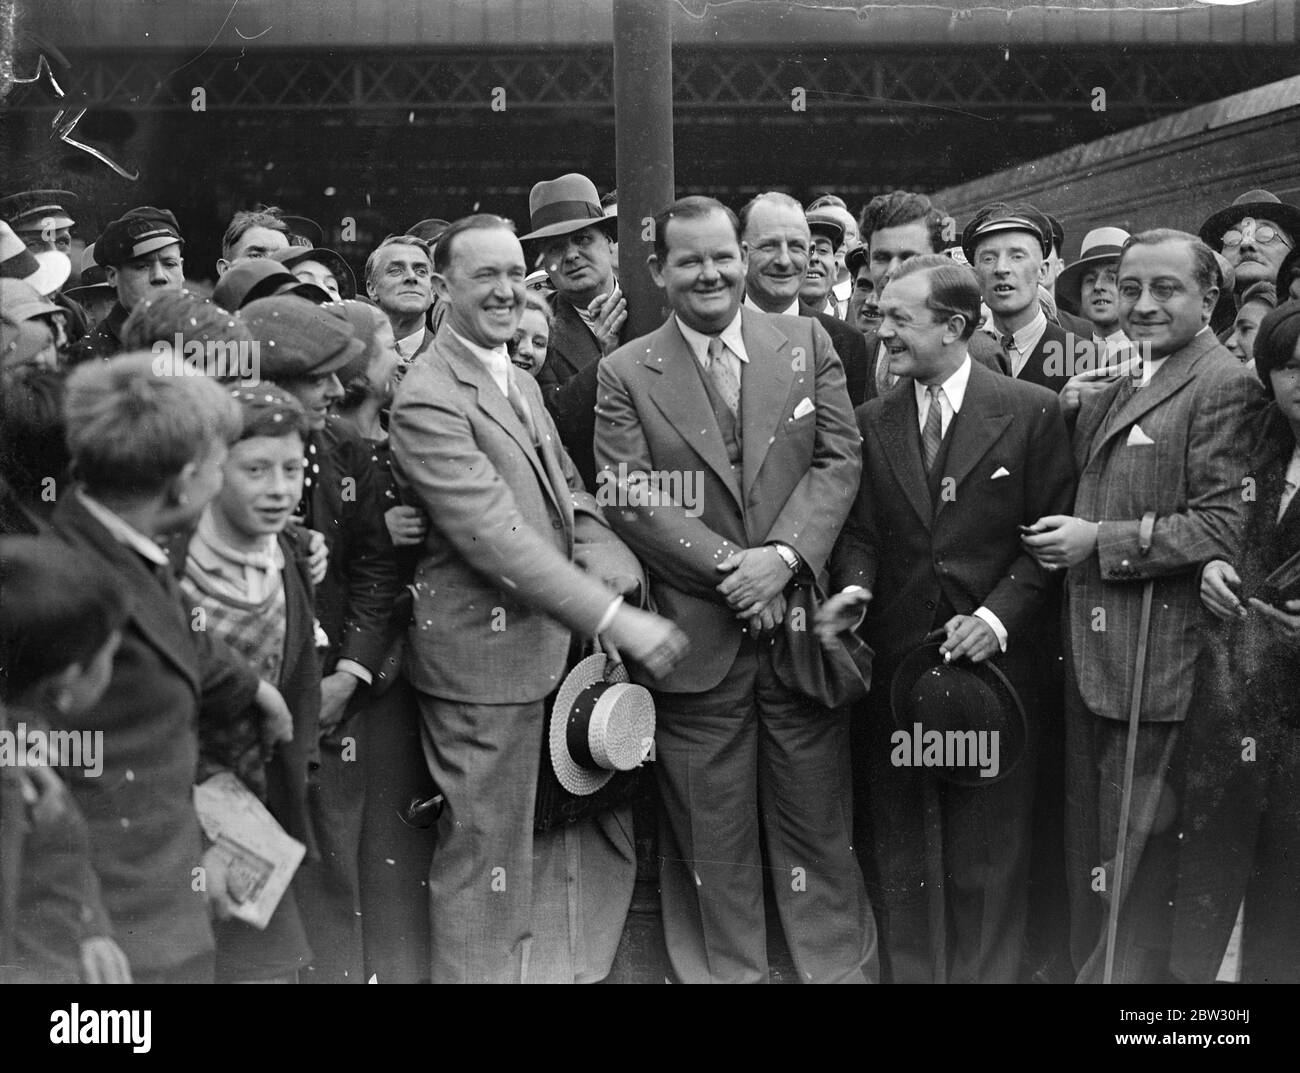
1100 245
45 271
1000 216
599 724
564 205
1256 204
259 277
955 699
135 233
293 255
36 210
298 338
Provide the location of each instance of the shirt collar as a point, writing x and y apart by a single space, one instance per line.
792 310
122 532
1027 337
409 344
699 342
495 359
215 554
954 388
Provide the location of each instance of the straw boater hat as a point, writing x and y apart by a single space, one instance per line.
1100 245
1256 204
599 724
45 271
564 205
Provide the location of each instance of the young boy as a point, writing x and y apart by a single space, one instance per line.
247 579
60 626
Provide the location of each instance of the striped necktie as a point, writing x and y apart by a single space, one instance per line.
721 374
932 434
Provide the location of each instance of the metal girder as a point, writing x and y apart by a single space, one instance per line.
1149 80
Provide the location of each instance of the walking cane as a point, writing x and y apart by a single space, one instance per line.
1130 754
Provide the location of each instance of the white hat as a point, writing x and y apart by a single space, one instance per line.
600 724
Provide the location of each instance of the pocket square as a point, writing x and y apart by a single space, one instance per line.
805 407
1138 438
1001 471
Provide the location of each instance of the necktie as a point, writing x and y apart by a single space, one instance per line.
520 406
723 378
932 434
884 378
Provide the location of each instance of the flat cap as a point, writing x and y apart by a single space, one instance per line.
135 233
299 339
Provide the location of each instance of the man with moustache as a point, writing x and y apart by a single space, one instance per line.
398 277
574 237
141 256
955 459
751 741
1255 233
1161 456
778 242
498 601
896 226
1007 247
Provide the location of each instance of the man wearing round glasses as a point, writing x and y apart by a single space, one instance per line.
1254 233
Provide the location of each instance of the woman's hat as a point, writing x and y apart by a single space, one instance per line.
954 699
45 272
599 724
341 270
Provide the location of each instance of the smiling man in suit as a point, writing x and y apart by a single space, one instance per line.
1161 457
498 602
896 226
956 458
750 411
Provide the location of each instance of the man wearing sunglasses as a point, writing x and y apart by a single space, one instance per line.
1254 233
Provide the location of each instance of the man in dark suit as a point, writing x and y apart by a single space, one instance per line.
1007 247
896 226
956 458
778 241
575 241
746 416
1161 456
499 600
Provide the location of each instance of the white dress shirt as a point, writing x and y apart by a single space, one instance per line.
409 344
792 310
954 394
1025 340
735 355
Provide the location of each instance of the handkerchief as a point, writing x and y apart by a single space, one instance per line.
805 407
1138 438
1001 471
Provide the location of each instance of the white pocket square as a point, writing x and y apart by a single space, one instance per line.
1001 471
1138 438
805 407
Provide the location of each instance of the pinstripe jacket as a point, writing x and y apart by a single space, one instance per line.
1178 447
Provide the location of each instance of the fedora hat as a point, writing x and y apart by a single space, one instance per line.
564 205
954 699
599 724
1253 203
1100 245
45 271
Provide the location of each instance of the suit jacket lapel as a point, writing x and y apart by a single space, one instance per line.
901 439
982 422
765 387
1174 375
469 370
684 402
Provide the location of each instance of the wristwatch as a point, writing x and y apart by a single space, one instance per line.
788 556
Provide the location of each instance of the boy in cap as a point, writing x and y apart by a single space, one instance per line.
141 255
302 348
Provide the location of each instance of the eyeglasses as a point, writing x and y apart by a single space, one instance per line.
1162 290
1264 234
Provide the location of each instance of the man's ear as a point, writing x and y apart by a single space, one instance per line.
440 286
1208 302
1043 270
110 275
373 295
955 325
656 272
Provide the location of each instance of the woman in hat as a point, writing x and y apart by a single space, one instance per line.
1239 760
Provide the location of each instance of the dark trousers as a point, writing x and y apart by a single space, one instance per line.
329 890
394 866
749 766
985 838
1095 750
200 969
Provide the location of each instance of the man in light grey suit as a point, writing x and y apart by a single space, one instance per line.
1161 457
498 600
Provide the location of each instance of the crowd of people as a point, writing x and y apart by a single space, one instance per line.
961 579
